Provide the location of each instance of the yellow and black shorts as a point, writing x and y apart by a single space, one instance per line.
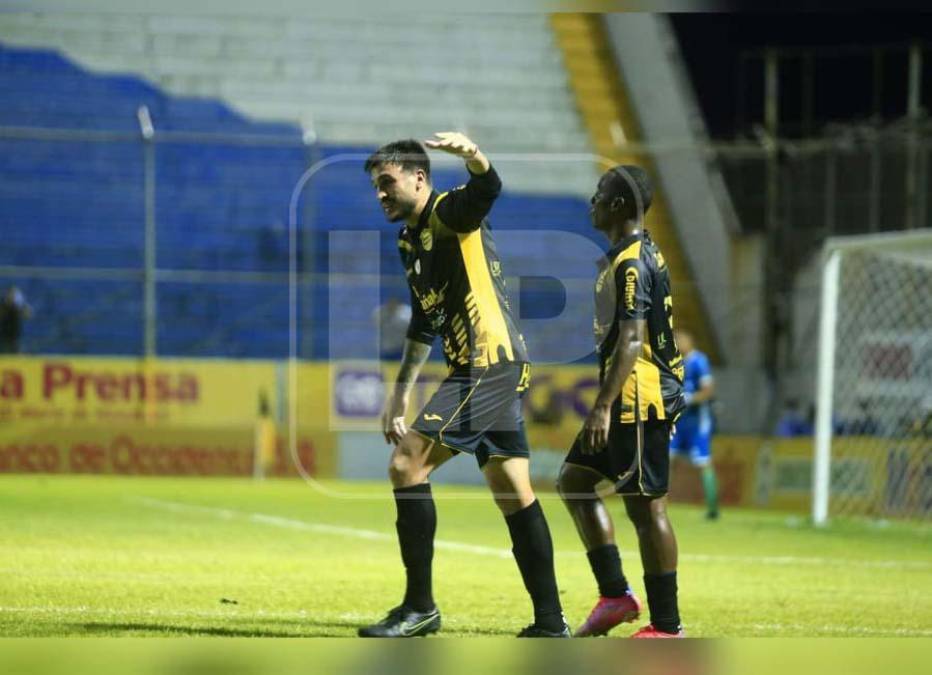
478 411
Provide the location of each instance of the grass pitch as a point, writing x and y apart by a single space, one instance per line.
93 555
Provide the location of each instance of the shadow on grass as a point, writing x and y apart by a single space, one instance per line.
307 629
302 629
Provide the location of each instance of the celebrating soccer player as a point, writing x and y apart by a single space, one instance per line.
458 292
625 438
693 437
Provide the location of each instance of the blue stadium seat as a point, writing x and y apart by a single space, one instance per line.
220 206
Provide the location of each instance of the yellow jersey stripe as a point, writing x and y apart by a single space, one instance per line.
491 329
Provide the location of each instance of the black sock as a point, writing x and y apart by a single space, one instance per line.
606 567
661 598
533 550
416 525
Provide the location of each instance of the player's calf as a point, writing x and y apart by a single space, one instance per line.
659 558
509 479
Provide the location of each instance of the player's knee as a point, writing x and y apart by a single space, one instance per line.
564 485
570 482
396 469
404 467
647 513
639 512
401 469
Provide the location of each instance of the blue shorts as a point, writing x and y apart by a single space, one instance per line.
689 440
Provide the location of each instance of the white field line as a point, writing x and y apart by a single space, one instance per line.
319 528
373 535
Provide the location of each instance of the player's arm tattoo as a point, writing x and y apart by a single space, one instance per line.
631 334
415 355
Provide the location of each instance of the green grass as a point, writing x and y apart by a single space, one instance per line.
90 555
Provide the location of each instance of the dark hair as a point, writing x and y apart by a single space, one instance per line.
409 154
627 179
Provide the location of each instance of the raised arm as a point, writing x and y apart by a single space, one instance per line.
463 208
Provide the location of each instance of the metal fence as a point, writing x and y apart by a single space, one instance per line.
125 284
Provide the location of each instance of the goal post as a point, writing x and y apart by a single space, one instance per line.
873 394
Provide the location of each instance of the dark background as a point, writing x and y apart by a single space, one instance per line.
715 45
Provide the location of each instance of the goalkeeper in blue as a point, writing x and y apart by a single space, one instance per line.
693 437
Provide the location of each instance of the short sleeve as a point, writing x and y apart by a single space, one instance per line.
703 369
632 281
419 327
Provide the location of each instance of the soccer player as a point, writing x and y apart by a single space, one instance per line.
693 436
458 292
625 438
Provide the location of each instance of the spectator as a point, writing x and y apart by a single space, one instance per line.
792 422
392 319
864 424
14 310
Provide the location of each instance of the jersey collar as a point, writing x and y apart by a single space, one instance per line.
428 208
625 243
615 250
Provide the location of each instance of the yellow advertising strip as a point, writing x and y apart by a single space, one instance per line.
98 391
198 416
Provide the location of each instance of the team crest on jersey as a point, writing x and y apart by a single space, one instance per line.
427 239
496 268
417 266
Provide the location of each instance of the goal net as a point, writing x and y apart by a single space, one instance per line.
873 449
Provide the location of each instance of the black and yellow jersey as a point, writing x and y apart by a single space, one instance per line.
634 284
456 278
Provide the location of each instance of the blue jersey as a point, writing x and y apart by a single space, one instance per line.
697 372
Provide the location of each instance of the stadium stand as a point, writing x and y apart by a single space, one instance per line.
348 81
284 94
73 205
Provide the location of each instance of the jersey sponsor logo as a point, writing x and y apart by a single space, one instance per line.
430 417
631 280
433 298
427 239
